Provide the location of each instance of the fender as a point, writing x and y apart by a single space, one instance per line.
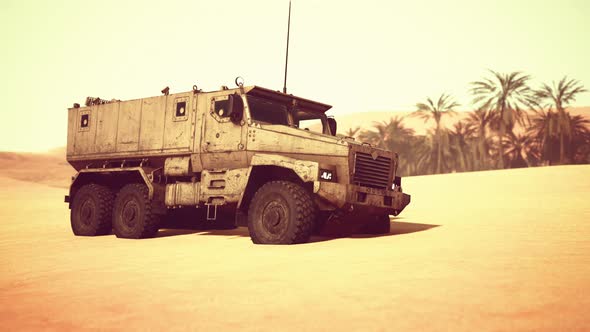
304 170
107 175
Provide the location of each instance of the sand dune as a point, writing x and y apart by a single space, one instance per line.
499 250
48 168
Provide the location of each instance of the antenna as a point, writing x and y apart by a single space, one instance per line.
287 54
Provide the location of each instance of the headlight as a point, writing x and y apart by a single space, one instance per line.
397 182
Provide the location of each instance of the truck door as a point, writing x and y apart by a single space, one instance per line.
223 142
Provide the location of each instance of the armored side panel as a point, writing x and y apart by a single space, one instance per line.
153 117
127 126
179 119
153 127
106 127
85 133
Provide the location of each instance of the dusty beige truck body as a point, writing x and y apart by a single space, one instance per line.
216 149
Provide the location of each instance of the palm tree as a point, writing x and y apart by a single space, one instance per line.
543 129
480 120
391 135
520 150
394 136
430 110
352 132
579 138
503 95
559 96
461 137
418 147
435 154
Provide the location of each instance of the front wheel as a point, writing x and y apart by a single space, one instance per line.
281 212
133 217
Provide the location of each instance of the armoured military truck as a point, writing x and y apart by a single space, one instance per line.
246 155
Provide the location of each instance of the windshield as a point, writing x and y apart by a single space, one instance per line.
272 112
266 111
312 121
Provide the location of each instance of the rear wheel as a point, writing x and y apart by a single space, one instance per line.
133 217
376 224
281 212
91 210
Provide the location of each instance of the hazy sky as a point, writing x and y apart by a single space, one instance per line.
355 55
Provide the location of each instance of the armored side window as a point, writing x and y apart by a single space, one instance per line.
181 109
84 120
227 108
222 108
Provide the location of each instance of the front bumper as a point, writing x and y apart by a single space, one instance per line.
360 199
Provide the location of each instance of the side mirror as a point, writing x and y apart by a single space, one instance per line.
332 125
236 108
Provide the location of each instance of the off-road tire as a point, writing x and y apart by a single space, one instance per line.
281 212
376 224
133 217
92 210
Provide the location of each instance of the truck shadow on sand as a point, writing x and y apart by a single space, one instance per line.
397 228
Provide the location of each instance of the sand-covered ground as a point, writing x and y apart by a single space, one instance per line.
499 250
48 168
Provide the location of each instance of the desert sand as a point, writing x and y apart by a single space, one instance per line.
484 251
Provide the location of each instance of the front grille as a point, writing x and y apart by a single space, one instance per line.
369 172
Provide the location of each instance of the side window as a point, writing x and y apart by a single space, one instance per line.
221 107
227 108
181 109
84 120
314 125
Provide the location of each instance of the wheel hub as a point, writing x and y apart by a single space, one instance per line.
86 212
274 218
130 213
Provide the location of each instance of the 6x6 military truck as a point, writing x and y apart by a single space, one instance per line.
236 156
